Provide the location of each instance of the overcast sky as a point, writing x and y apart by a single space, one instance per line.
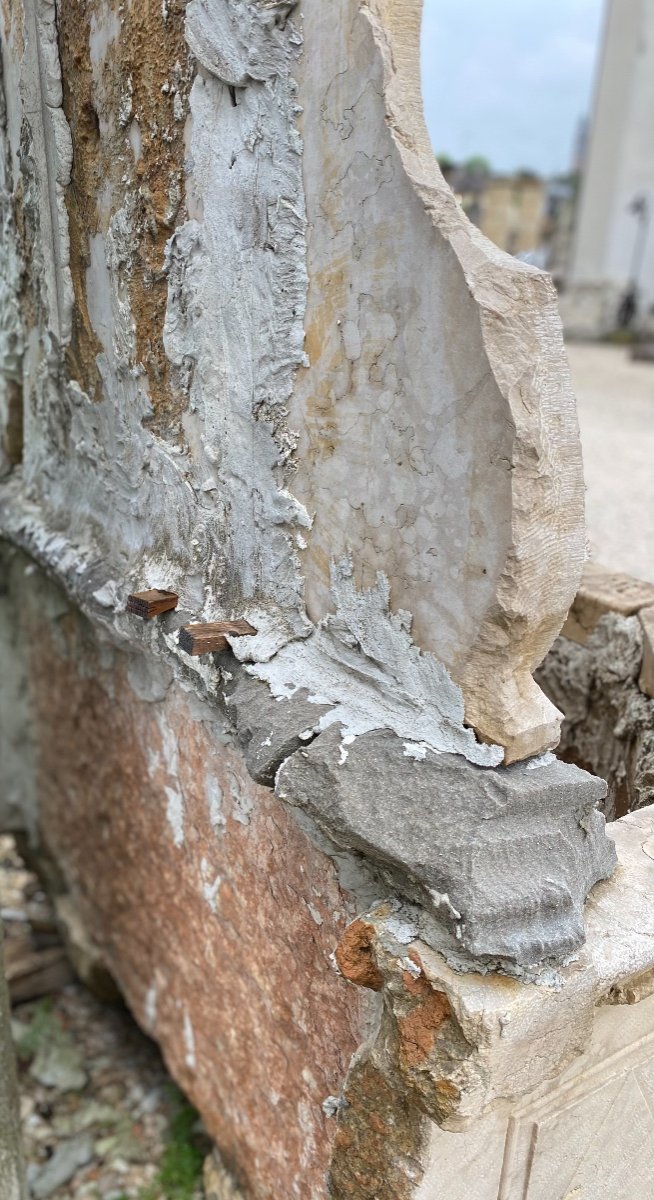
509 79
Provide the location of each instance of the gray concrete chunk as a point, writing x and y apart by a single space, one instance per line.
503 857
267 730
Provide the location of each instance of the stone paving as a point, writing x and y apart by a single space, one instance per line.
615 399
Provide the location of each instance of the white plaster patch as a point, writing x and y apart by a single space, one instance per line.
362 661
214 794
189 1043
210 886
107 595
403 930
175 814
242 805
173 790
416 750
442 900
540 760
151 1007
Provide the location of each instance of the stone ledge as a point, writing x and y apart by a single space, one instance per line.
514 899
603 591
502 858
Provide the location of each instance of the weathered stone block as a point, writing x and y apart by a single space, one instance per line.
603 591
609 719
268 730
503 858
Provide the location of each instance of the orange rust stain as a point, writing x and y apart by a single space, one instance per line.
147 69
418 1028
354 956
153 922
379 1144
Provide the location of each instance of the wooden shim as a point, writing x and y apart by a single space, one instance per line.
212 638
152 603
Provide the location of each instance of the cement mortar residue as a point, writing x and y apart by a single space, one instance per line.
363 663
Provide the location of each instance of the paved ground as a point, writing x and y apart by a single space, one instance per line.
616 413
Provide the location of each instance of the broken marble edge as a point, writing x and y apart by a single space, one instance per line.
518 312
56 555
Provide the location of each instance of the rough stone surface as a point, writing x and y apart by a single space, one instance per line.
609 721
646 677
214 912
213 347
587 1133
603 591
380 1145
268 730
459 1047
504 859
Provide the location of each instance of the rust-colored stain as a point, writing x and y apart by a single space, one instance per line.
354 956
418 1028
274 1025
145 66
380 1142
89 168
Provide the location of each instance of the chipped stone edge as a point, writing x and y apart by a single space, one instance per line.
522 335
465 1045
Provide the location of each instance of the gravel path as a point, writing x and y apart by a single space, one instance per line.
616 414
101 1118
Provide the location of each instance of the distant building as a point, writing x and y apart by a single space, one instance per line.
513 208
610 279
509 209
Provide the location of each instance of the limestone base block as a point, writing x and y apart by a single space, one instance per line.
541 1092
603 591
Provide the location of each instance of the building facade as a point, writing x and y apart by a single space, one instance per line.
611 274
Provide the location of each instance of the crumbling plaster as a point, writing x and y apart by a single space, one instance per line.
218 436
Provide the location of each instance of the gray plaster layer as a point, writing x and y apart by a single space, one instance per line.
267 730
504 858
47 155
11 331
237 288
362 661
609 722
